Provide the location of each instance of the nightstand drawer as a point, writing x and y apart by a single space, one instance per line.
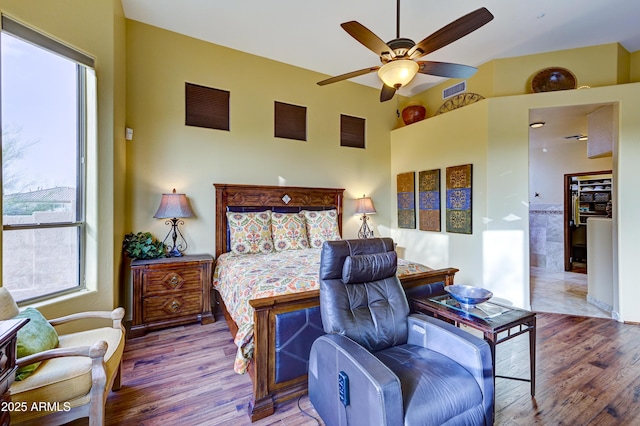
169 280
170 291
176 305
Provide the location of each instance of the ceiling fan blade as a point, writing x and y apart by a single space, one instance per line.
446 69
365 36
452 32
347 76
387 93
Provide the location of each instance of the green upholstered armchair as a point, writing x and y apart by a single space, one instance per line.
71 380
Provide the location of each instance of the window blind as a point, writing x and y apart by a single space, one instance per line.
206 107
352 131
290 121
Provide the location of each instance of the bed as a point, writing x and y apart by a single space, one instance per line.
273 348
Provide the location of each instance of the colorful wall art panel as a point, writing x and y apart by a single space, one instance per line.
429 200
459 199
406 200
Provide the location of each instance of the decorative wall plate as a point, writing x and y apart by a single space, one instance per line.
458 101
552 79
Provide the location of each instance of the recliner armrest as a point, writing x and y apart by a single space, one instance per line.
471 352
374 390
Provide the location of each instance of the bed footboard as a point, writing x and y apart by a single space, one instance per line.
274 318
284 329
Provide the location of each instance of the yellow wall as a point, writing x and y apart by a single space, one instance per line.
624 66
437 143
593 66
96 28
499 254
634 61
165 154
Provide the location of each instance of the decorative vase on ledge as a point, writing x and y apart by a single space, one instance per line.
413 112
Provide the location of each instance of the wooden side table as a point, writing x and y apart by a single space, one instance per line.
8 352
496 329
171 291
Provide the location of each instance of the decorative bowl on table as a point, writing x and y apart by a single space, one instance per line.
468 296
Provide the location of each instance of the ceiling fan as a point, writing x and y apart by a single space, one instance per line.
398 55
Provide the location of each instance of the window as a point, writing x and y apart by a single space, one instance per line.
206 107
290 121
351 131
44 132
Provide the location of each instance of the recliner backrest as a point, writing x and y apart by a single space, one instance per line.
360 295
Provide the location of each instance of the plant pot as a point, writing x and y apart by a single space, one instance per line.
413 113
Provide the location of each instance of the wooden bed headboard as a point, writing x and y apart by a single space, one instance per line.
264 197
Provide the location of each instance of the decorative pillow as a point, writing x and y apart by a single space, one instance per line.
321 226
250 232
289 231
36 336
8 307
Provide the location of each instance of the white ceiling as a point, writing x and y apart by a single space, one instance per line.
308 34
560 124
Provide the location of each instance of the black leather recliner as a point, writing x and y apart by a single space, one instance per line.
378 365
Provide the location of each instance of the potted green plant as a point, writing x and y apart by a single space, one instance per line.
142 245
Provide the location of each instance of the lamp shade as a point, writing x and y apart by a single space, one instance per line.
364 205
173 206
398 73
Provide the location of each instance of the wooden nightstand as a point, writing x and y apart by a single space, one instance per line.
171 291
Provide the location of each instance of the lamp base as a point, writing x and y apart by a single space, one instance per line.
177 248
365 231
174 253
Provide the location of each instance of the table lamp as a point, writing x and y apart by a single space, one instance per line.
365 206
174 207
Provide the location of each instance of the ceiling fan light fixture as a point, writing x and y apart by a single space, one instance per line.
398 73
537 124
583 138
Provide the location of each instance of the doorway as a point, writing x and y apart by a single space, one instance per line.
555 152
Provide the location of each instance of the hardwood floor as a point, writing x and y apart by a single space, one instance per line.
184 376
588 372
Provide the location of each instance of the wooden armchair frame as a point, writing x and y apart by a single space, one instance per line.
95 409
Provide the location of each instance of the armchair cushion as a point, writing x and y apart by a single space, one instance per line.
426 377
36 336
69 378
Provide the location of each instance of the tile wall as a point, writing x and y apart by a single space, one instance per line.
546 236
